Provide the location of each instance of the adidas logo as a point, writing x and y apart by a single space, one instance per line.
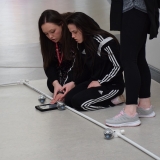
83 52
101 92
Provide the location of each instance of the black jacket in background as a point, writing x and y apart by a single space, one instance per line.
152 10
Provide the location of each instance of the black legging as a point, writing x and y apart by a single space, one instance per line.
135 25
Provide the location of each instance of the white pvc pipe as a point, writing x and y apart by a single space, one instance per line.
138 146
25 83
117 132
12 83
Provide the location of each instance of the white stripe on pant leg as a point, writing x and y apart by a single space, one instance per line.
91 107
87 105
94 99
110 93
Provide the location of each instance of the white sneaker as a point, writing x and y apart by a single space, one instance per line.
123 120
148 113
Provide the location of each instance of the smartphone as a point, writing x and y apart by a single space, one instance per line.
46 107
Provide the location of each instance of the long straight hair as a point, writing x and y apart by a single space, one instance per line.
89 29
47 46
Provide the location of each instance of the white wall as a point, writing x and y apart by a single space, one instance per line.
153 51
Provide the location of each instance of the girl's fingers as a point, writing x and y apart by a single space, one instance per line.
54 94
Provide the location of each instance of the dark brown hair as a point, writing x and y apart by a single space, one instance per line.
47 46
66 15
89 29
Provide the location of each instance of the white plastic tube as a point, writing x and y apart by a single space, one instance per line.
118 133
138 146
10 84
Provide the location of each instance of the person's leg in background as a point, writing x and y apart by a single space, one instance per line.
145 108
133 38
144 92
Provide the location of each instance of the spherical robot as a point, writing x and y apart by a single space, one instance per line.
42 99
61 106
108 134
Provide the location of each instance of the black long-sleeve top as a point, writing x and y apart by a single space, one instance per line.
59 72
105 67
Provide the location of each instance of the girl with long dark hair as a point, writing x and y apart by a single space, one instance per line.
57 49
98 58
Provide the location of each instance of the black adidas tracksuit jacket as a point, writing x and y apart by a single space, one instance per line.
105 69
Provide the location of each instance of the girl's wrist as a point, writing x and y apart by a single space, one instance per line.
55 83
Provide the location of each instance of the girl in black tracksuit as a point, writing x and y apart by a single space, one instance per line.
101 69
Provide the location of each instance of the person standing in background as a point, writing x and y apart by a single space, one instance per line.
134 19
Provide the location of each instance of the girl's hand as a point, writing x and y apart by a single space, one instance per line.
59 97
67 87
57 88
94 84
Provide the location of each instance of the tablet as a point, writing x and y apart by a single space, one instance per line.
46 107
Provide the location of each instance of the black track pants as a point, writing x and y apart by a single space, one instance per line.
94 98
135 25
